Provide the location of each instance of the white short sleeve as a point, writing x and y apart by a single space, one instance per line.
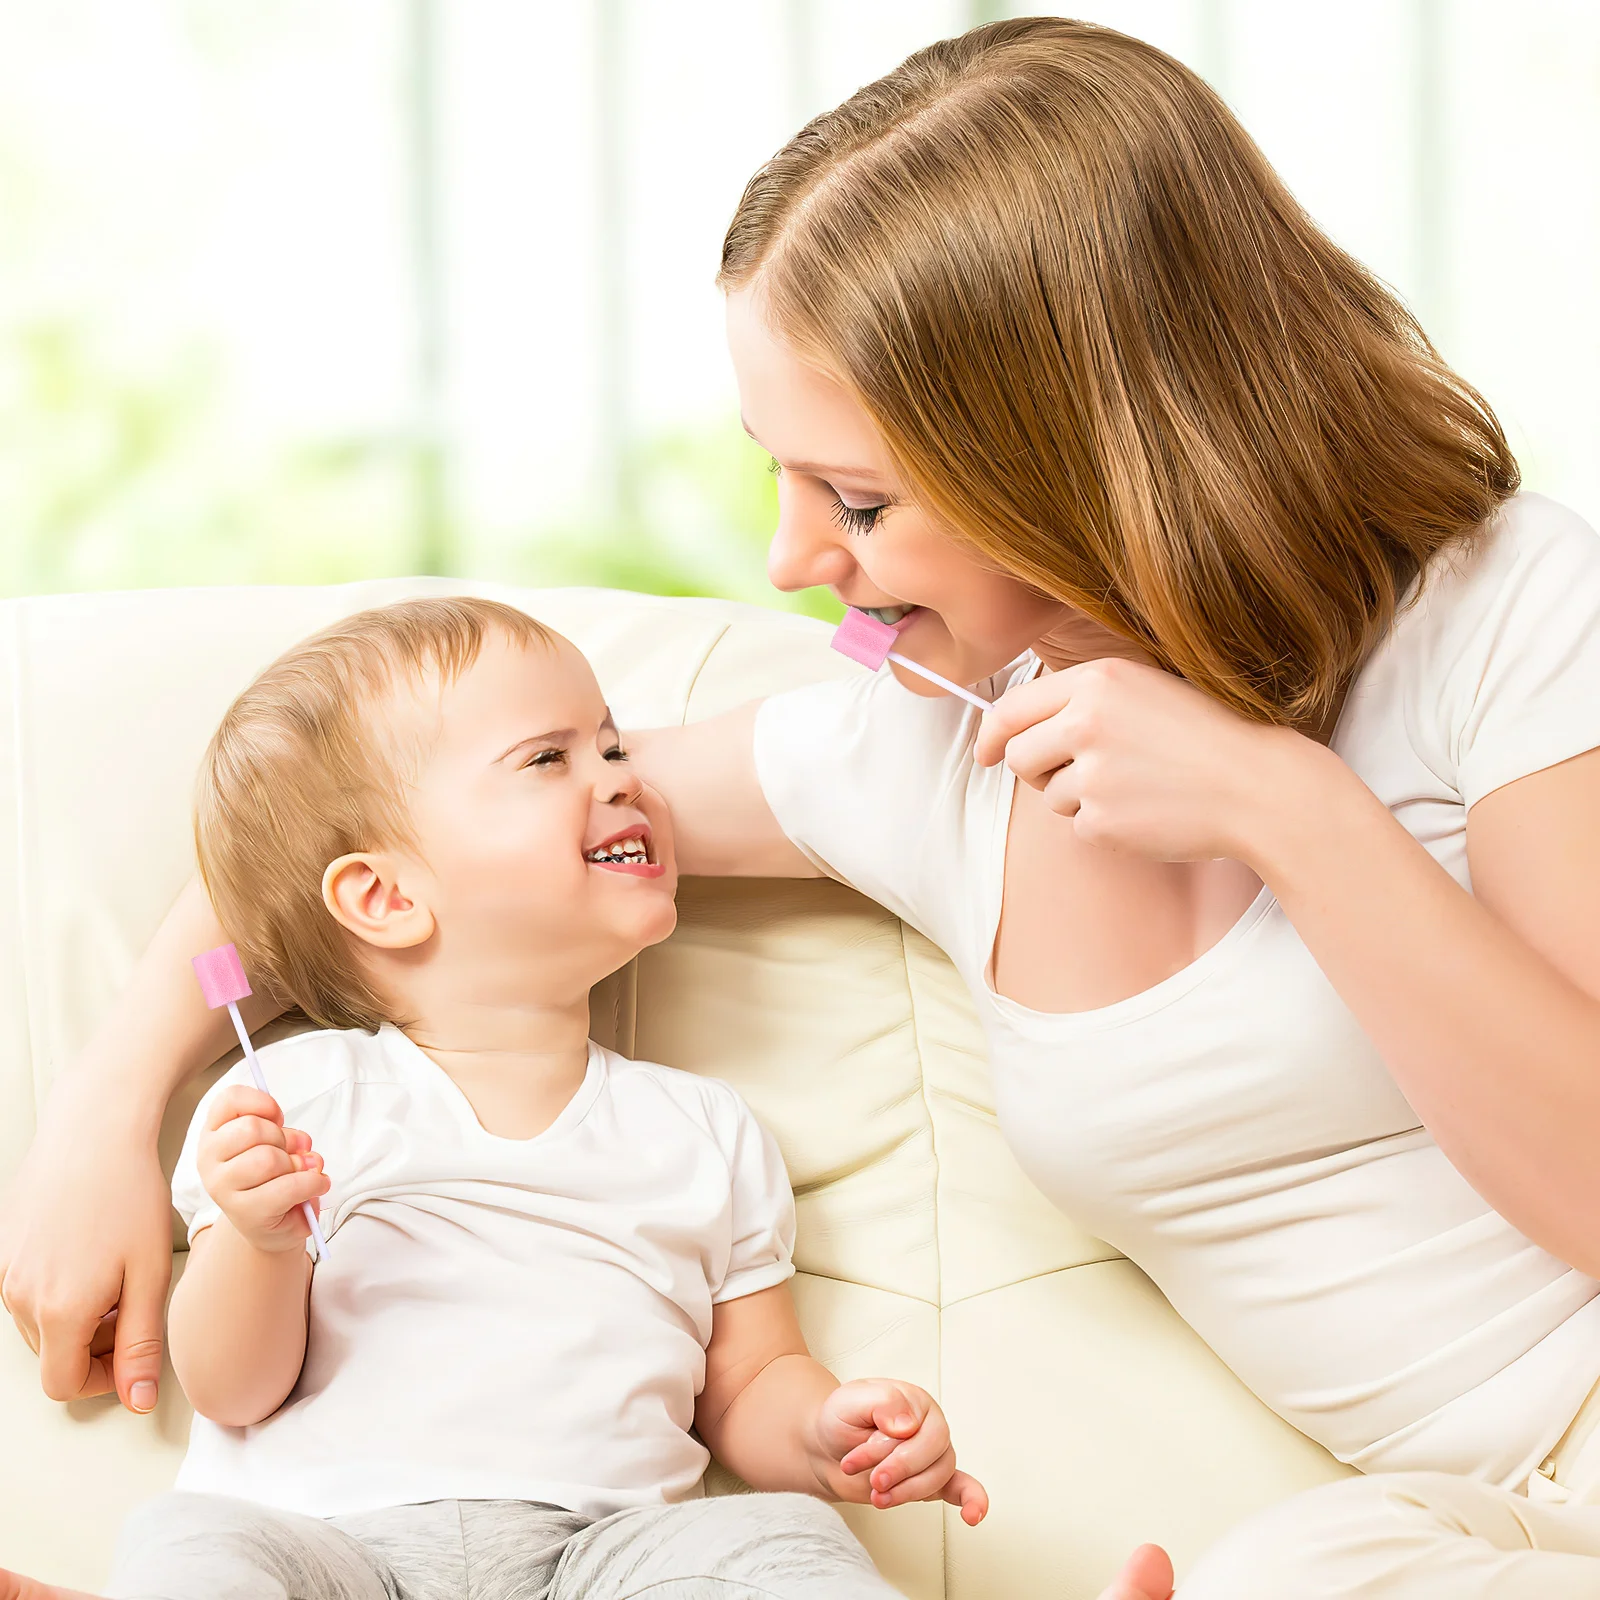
762 1252
869 780
1521 690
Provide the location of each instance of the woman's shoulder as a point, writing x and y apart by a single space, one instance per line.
1496 663
1532 550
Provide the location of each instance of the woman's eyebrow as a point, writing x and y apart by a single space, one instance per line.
815 469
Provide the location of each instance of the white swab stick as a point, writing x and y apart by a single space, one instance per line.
261 1083
223 983
933 677
870 642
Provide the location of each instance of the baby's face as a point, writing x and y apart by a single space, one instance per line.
538 842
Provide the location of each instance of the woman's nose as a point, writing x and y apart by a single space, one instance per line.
807 549
623 786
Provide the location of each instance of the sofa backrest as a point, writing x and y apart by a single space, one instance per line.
1095 1417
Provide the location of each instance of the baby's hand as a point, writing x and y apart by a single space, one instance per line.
896 1434
258 1171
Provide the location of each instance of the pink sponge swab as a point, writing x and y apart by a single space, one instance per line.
871 642
223 983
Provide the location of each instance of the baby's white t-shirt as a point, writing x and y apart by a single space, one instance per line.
501 1318
1232 1129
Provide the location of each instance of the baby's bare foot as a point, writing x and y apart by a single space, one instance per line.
13 1586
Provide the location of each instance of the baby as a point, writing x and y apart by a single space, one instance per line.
547 1264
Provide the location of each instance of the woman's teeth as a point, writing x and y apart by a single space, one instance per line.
630 851
888 614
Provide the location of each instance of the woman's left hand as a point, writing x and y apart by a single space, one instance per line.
1142 761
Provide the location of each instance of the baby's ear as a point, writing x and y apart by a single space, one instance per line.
365 893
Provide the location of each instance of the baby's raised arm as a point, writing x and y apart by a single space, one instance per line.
239 1315
721 821
86 1227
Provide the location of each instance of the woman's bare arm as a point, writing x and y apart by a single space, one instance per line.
1486 1007
721 820
86 1226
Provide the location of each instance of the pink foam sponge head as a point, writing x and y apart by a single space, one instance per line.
221 976
864 639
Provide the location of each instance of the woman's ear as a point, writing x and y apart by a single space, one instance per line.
364 894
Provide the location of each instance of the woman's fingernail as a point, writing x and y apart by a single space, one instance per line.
143 1396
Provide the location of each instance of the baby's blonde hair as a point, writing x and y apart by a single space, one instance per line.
302 771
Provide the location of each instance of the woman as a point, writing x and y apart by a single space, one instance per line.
1287 944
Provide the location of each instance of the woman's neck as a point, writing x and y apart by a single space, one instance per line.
1077 638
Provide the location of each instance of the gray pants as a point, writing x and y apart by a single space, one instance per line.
734 1547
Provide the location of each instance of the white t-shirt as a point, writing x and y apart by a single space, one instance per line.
501 1318
1232 1129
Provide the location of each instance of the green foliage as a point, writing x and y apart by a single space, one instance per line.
698 507
120 470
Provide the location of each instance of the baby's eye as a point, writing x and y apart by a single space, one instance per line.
616 753
547 758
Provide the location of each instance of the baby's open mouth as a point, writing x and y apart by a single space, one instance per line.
627 852
630 854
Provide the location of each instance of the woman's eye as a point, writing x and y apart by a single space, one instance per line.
548 758
857 519
616 753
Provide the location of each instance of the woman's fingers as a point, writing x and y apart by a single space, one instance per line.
1020 708
141 1328
67 1371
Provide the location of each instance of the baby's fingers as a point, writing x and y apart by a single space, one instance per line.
930 1443
284 1196
925 1485
241 1133
968 1495
243 1100
868 1454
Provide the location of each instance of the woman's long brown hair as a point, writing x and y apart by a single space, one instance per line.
1106 347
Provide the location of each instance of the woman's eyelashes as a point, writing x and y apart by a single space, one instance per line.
857 519
853 519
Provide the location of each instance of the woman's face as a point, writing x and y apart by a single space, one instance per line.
845 522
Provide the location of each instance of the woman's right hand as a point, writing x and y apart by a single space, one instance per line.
86 1228
86 1231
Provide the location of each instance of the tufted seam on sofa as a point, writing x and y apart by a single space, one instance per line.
23 811
913 1013
1110 1258
699 668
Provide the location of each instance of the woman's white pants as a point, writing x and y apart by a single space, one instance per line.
1423 1536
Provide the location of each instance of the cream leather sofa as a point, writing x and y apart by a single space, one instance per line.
1096 1418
